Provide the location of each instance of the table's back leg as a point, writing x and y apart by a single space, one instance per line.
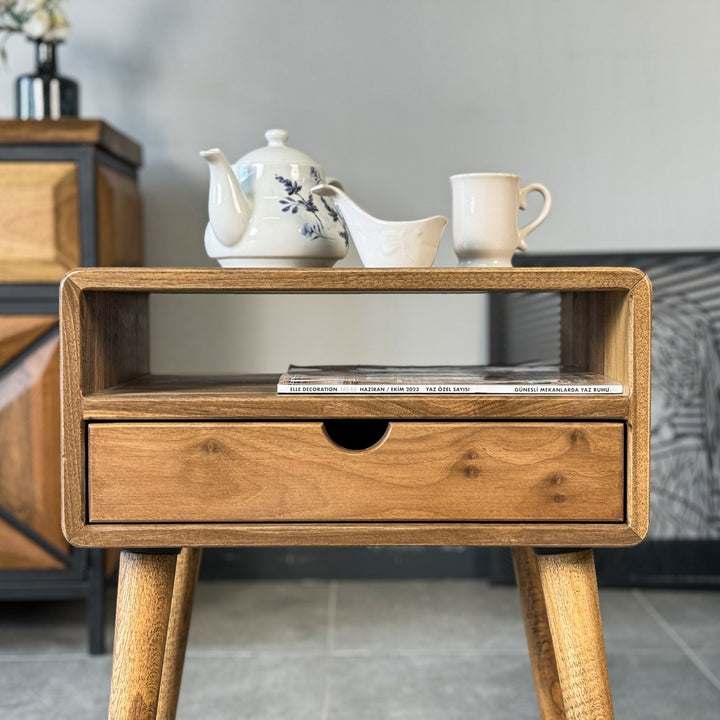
95 601
186 573
537 631
145 588
570 593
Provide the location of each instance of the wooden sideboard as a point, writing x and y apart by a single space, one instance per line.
68 197
158 465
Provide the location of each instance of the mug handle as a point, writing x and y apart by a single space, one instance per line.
524 192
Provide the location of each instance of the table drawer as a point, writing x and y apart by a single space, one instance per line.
293 471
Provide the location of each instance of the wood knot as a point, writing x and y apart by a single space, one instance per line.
211 446
472 471
472 455
559 498
557 479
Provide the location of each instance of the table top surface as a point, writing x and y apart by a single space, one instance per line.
219 280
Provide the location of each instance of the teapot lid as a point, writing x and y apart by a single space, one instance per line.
276 152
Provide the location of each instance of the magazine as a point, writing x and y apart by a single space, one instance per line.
444 379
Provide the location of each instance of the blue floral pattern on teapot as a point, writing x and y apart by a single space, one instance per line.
295 201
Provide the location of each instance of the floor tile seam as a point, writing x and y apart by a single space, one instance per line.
48 657
339 655
694 658
332 603
353 653
427 653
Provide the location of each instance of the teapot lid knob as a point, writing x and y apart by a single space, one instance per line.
276 152
276 137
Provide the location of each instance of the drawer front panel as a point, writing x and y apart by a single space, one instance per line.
419 471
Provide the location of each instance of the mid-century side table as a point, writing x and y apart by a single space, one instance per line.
162 466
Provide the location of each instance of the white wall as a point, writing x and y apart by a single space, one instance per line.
614 105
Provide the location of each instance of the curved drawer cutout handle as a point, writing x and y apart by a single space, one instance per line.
356 435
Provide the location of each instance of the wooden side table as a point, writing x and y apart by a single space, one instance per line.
68 197
153 464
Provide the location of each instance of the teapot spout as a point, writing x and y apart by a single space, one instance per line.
228 207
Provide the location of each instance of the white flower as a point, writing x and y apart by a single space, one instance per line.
32 6
38 25
60 28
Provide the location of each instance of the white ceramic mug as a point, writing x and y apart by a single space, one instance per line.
485 217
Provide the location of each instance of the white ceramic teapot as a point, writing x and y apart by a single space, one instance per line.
262 213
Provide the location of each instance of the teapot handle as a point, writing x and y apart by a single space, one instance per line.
335 183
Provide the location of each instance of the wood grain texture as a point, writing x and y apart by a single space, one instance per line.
582 327
18 552
611 333
428 280
186 574
104 340
73 495
224 472
281 534
115 339
573 611
597 333
39 231
537 632
43 272
71 131
119 235
145 589
638 443
30 445
163 397
18 332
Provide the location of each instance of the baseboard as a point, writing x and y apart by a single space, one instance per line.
344 563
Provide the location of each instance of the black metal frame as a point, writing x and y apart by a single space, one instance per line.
84 574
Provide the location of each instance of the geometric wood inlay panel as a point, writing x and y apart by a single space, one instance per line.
18 332
119 233
30 441
39 221
18 552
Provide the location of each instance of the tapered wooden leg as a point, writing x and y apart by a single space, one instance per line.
186 573
573 611
145 589
537 631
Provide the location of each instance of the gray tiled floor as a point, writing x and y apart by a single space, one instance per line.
400 650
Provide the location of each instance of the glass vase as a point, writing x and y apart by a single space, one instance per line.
45 94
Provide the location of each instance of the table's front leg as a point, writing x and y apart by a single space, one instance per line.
145 591
570 595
